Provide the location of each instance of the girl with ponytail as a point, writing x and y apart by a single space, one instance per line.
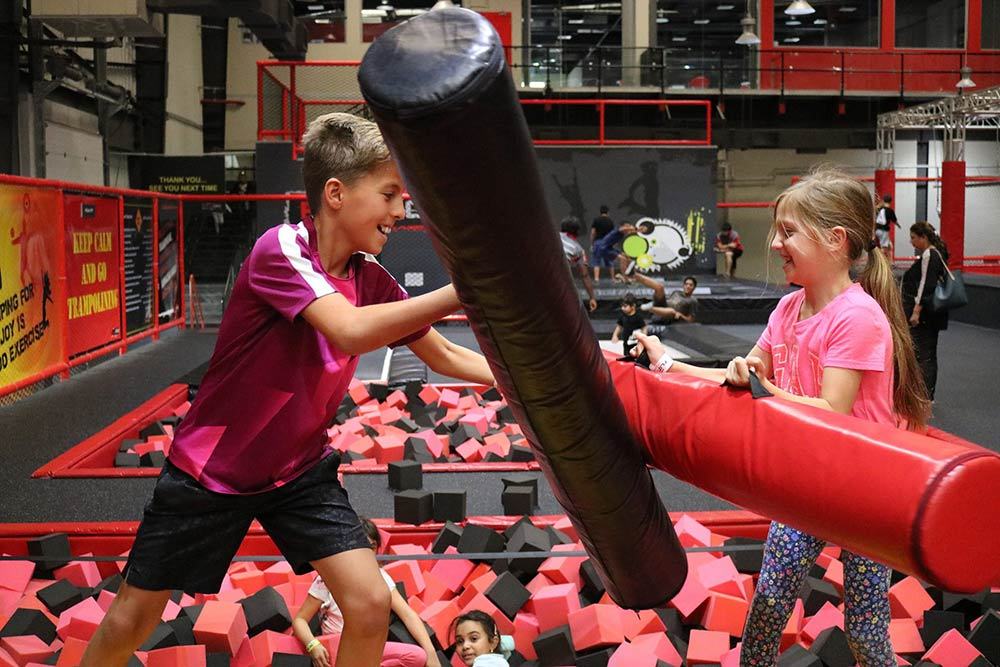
838 345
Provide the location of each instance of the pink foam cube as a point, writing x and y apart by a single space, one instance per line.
553 604
827 617
706 646
15 574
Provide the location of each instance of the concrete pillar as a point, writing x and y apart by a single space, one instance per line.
638 34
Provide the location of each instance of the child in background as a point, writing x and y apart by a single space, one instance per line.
630 320
607 250
395 654
836 345
478 643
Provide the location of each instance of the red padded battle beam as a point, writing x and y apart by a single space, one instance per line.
924 505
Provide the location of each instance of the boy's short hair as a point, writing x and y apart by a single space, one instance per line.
726 227
629 300
570 225
646 227
604 209
342 146
691 278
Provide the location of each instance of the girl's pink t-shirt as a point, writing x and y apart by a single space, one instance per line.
849 332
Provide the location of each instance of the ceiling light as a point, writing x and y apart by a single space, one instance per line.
702 21
315 8
819 22
798 8
847 9
687 67
748 37
793 22
793 40
564 36
663 19
725 8
966 80
678 39
575 21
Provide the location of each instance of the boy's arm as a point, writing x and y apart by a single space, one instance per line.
584 269
357 330
617 332
444 357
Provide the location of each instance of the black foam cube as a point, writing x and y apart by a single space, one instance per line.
493 457
406 475
416 449
50 553
492 394
673 622
832 648
29 622
127 460
479 539
290 660
513 527
110 584
517 501
129 443
986 637
969 605
936 623
508 594
555 647
413 507
192 612
991 602
449 505
183 630
747 561
530 481
162 636
592 588
266 610
153 429
153 459
796 656
463 433
557 536
412 390
449 536
218 660
521 453
526 539
505 415
405 424
599 658
816 592
60 596
379 392
348 456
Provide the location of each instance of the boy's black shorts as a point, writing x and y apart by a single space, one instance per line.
189 534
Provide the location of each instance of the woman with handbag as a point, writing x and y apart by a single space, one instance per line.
919 283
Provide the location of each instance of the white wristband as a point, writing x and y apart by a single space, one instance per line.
663 364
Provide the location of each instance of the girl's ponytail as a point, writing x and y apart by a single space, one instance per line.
909 392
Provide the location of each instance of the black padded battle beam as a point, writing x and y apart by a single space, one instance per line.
443 96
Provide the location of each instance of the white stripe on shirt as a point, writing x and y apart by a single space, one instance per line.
925 260
293 253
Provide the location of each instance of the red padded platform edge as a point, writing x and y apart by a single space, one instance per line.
160 405
112 538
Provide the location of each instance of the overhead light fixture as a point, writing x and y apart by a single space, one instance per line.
702 21
678 39
793 22
662 19
798 8
725 8
848 9
819 22
792 40
574 21
316 8
748 37
966 80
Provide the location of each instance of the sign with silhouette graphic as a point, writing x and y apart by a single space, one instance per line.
667 193
32 289
92 274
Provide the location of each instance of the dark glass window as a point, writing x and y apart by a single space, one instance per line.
325 20
575 43
931 24
991 24
840 23
697 42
